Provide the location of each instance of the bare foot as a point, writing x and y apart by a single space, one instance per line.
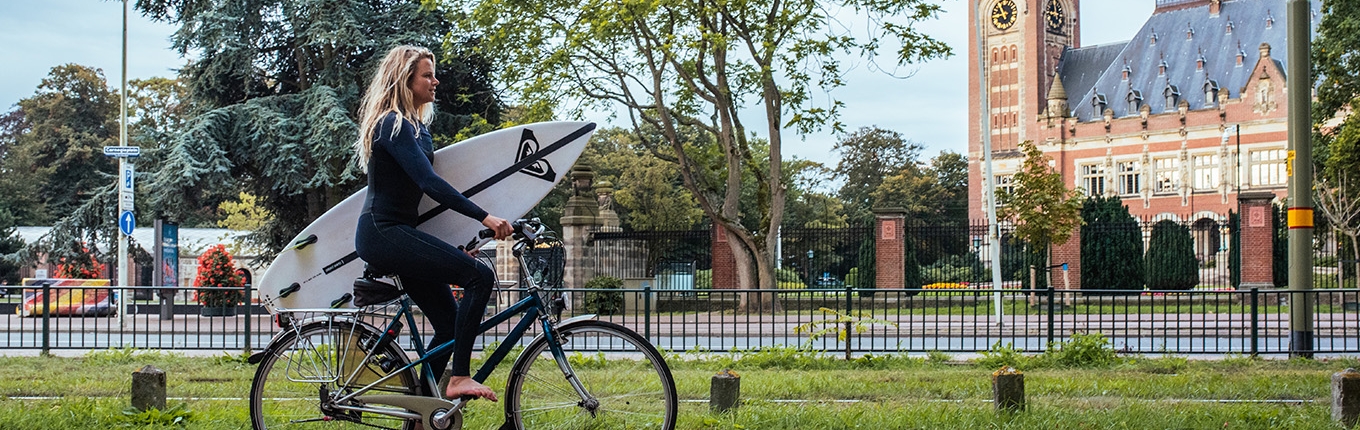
460 386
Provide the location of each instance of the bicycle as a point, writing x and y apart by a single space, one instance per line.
333 368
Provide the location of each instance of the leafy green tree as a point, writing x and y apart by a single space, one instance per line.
1111 244
870 157
808 206
277 84
687 64
1335 52
935 198
10 242
1171 263
1045 212
1336 154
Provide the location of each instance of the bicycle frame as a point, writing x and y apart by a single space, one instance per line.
435 406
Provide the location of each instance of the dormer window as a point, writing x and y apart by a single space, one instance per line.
1126 72
1230 27
1135 99
1240 55
1153 39
1270 19
1161 69
1210 93
1172 96
1098 102
1199 63
1189 32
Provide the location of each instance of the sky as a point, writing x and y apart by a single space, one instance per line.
930 107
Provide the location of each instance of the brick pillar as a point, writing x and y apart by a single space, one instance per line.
724 263
888 247
1070 253
1258 244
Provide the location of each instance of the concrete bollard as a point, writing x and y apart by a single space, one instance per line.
148 388
1346 397
725 393
1008 389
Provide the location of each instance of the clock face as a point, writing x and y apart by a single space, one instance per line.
1003 14
1054 16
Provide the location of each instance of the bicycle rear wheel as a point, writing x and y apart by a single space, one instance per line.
301 374
629 381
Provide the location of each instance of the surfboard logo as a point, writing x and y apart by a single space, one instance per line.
528 146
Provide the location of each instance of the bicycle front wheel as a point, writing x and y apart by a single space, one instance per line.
627 381
302 375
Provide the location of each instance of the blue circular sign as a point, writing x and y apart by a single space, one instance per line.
126 222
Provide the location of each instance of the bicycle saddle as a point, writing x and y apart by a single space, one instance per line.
368 290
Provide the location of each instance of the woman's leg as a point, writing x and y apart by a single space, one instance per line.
436 301
476 293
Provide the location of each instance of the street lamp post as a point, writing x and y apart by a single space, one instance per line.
807 271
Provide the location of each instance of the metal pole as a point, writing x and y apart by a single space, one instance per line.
848 326
122 141
47 318
1300 182
993 230
1255 320
248 317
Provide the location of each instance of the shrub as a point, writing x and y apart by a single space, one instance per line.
82 265
1171 261
219 284
999 356
703 279
604 302
1082 350
954 269
1112 240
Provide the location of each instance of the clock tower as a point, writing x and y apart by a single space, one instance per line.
1021 43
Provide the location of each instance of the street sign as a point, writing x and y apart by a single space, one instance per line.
126 223
123 151
125 187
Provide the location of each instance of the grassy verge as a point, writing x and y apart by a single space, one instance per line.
782 389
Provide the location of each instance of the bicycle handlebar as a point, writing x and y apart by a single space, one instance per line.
528 229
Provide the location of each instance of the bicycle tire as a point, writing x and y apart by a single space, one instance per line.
617 366
303 364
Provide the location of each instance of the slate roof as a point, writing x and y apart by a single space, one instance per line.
1094 71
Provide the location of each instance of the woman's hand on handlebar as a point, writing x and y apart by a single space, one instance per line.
498 225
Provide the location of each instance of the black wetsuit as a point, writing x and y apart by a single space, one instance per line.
400 173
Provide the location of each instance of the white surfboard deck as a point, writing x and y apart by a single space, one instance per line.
506 172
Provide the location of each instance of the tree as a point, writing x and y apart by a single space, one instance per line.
680 65
870 157
1045 212
1111 244
277 84
1171 263
1335 53
1342 210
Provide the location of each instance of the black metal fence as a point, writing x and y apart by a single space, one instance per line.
909 320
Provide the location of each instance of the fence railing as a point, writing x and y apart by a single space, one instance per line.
909 320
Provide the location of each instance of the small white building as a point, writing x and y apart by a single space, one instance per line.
192 243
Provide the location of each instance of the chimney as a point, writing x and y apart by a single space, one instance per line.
1214 7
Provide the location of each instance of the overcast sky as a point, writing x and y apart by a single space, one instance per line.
930 107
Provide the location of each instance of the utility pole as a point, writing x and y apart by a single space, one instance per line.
124 185
993 230
1300 181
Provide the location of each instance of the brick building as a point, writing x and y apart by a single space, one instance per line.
1178 120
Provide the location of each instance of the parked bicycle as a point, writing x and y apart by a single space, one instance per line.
336 368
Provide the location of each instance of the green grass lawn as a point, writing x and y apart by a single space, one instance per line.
781 389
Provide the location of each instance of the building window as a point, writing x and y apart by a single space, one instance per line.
1098 102
1168 175
1205 172
1172 96
1093 179
1003 183
1130 176
1210 94
1135 99
1268 167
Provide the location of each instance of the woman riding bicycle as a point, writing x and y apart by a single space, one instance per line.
396 150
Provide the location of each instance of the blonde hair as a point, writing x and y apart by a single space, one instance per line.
390 91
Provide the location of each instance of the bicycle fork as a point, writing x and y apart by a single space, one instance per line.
588 402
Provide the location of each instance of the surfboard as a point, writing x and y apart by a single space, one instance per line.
506 172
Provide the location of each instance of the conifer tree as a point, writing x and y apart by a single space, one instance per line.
1111 244
1171 261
